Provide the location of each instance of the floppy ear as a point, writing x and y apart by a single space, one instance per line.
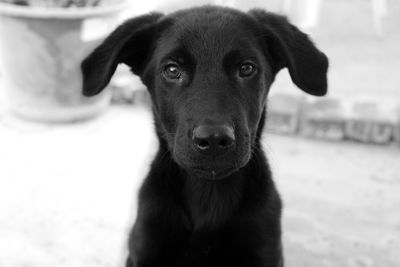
291 48
130 43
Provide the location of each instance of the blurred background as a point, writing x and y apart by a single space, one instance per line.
70 167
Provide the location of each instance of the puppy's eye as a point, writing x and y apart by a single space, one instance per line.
246 69
172 71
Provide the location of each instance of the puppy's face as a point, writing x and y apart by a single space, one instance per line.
209 77
208 71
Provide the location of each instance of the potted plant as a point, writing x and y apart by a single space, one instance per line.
42 43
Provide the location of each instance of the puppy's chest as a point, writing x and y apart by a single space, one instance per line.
210 206
204 248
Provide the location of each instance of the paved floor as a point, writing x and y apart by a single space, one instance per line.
68 194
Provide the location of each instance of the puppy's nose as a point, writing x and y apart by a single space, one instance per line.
213 139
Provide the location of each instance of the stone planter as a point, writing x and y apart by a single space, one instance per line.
40 54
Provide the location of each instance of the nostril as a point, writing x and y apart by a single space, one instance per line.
224 143
202 144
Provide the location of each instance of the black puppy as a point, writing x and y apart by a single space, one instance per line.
209 199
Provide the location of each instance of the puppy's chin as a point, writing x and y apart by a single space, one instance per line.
211 174
210 169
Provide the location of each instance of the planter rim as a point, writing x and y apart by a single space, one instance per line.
60 13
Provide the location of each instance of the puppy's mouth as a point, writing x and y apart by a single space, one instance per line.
212 173
207 168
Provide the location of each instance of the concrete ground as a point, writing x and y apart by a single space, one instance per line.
68 194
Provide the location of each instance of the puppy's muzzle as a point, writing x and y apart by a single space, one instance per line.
213 140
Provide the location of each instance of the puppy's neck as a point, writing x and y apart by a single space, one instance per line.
210 203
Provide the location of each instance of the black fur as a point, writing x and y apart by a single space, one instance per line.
197 209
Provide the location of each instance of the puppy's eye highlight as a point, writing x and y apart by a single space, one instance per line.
247 69
172 71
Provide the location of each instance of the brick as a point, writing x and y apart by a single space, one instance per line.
396 128
381 132
323 118
283 113
368 124
396 133
358 130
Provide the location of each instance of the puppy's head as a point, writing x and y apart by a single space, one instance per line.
208 71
